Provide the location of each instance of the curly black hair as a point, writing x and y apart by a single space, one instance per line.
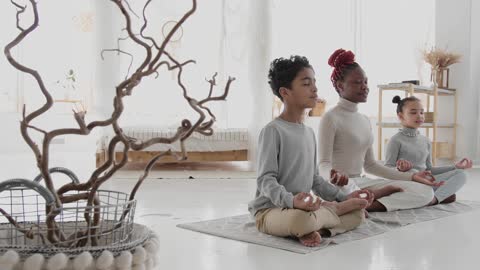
283 71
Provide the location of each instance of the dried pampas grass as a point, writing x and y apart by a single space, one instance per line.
440 58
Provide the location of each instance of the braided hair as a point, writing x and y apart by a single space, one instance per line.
343 62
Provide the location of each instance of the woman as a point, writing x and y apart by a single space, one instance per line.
345 142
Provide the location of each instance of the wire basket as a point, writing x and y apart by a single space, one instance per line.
26 202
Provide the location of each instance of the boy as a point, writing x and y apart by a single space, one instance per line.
287 167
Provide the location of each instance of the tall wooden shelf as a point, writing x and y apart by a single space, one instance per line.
431 93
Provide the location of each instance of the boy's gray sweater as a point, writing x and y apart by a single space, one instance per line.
287 165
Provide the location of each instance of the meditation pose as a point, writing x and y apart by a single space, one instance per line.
409 151
345 144
287 167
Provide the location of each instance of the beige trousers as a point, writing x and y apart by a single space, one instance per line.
294 222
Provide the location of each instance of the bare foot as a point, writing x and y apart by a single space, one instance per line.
312 239
450 199
385 191
347 206
332 205
433 202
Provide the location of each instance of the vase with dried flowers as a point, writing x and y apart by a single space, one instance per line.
440 60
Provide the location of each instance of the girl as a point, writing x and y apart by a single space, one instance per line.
410 151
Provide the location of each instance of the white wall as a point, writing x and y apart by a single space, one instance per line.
457 30
391 37
475 69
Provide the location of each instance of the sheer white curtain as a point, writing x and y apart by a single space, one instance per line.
259 60
313 29
246 50
477 145
475 69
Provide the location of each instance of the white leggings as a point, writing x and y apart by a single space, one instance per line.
414 194
454 180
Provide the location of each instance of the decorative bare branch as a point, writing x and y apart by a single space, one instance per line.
132 35
118 52
130 8
147 171
42 159
156 57
221 97
37 129
19 12
169 36
28 233
144 26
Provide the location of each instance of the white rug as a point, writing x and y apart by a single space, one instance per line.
242 228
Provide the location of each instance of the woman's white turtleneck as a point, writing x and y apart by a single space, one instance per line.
345 144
